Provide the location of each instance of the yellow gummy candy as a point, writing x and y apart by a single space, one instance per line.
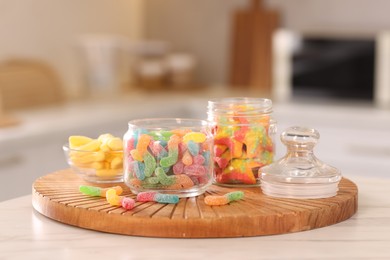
112 155
107 172
104 147
113 198
97 154
99 165
115 144
136 156
78 140
79 160
197 137
116 163
105 137
92 146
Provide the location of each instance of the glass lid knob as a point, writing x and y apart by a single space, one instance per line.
300 137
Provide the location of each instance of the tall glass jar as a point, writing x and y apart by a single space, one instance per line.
243 132
168 155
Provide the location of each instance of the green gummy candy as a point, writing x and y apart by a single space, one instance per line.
160 173
161 135
151 180
167 161
90 190
150 164
234 195
171 159
162 177
168 181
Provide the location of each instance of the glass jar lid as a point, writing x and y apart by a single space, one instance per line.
300 174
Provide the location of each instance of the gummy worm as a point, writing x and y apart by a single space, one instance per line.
115 200
97 191
197 137
224 199
157 197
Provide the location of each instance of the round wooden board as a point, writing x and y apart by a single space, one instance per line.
56 196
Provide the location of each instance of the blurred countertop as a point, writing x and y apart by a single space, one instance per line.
354 135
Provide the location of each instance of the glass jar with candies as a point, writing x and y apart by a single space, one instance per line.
243 132
168 155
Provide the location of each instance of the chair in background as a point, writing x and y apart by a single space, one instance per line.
28 83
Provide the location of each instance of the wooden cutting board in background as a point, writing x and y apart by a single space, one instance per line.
251 51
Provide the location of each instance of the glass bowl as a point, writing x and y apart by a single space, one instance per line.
98 167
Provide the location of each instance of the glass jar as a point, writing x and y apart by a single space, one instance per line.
168 155
243 132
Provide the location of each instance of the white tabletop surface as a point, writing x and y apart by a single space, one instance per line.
26 234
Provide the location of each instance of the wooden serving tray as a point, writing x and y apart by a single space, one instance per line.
56 196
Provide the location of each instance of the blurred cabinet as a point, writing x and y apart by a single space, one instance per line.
18 169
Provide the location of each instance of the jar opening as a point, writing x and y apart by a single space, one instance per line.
241 106
155 122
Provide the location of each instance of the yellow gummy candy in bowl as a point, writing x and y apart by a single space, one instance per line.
97 160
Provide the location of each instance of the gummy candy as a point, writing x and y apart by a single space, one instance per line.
104 154
178 168
194 136
224 199
241 134
157 197
182 181
162 177
162 164
140 170
150 164
195 169
127 203
171 159
115 200
142 144
115 143
78 140
193 147
97 191
199 159
187 158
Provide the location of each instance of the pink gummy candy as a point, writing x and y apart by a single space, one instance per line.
198 159
128 203
182 148
129 145
195 169
178 168
156 148
146 196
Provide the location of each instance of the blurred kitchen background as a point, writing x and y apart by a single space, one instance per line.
89 66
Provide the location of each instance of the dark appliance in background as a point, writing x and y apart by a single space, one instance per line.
334 68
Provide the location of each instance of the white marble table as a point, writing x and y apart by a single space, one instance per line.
26 234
